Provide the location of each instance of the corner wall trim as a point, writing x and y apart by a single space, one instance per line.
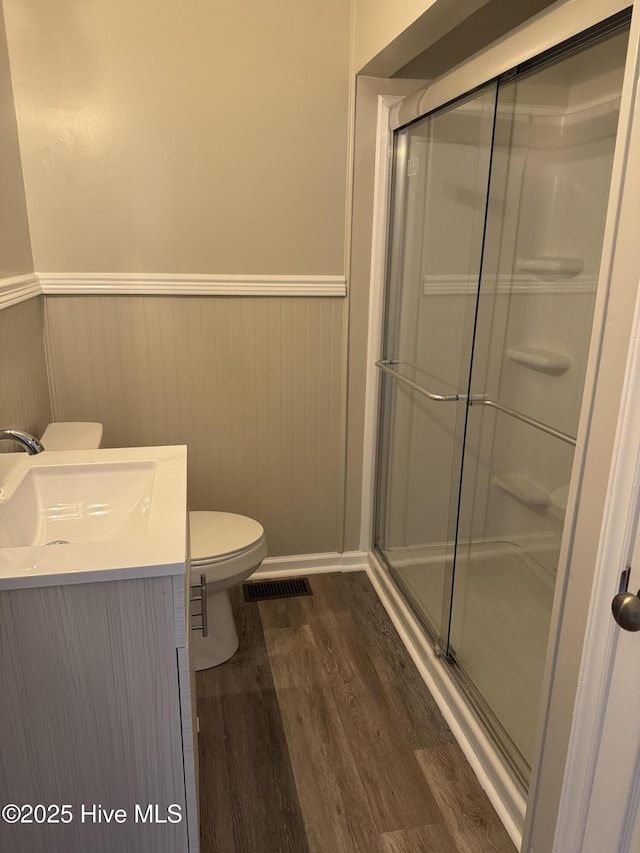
313 564
381 196
18 288
162 284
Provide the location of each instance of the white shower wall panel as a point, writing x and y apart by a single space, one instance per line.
566 175
563 191
543 462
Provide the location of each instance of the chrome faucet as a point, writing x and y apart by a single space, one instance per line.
29 442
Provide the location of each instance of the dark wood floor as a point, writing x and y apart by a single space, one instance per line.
319 736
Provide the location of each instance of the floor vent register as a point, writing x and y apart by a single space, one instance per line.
263 590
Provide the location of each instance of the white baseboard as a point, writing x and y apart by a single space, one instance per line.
506 798
312 564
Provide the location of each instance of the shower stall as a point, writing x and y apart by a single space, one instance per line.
498 207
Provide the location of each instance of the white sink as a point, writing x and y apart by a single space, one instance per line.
78 503
66 515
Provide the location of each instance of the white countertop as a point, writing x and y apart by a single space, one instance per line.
155 545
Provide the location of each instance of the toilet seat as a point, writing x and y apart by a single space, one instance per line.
226 548
219 536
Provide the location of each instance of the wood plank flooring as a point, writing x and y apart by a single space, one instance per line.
319 736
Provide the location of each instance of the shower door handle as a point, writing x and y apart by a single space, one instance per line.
626 610
430 395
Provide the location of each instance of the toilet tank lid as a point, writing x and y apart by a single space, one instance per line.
72 435
217 534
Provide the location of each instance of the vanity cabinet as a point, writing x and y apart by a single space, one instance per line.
97 714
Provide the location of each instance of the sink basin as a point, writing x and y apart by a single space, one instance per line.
78 503
66 515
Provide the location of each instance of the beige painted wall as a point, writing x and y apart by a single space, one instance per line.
202 138
377 23
24 392
15 248
488 23
389 35
252 386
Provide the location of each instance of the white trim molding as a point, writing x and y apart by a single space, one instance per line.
381 193
18 288
168 284
313 564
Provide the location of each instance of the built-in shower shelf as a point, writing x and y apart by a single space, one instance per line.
548 267
523 489
537 358
558 498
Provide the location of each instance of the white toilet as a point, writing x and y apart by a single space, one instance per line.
226 548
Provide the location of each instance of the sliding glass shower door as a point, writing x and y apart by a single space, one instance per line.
499 204
441 185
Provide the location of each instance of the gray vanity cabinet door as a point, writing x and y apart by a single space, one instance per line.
90 718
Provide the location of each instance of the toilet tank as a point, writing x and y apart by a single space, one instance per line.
72 435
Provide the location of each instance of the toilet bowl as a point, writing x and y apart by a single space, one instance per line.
226 548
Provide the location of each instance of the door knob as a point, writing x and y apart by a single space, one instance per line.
626 610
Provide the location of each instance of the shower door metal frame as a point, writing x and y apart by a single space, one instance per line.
395 234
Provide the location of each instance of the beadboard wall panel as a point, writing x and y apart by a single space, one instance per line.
25 402
251 385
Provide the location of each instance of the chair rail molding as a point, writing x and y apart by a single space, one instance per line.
18 288
185 284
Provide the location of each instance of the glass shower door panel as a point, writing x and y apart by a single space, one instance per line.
440 193
553 152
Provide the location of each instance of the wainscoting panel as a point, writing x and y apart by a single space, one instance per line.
251 385
25 402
